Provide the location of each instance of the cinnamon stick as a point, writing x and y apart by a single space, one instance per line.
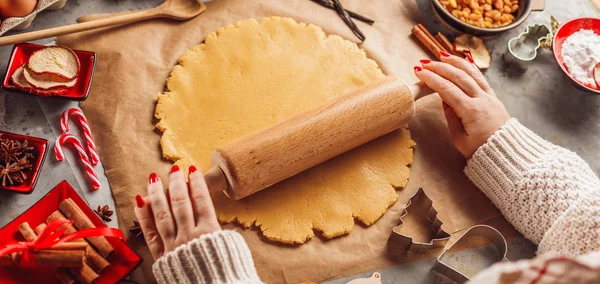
27 232
57 215
48 258
39 228
61 273
70 246
427 42
81 221
30 235
443 40
64 276
430 36
94 259
84 274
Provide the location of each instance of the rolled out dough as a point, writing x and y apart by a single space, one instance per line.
247 76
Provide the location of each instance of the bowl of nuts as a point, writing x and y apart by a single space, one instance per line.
485 18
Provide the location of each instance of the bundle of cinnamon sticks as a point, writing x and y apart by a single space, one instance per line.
435 44
81 260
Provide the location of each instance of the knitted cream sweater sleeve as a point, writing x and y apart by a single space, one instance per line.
547 192
220 257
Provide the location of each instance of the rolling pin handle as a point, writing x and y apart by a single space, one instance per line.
420 90
216 181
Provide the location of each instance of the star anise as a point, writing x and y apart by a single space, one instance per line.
104 212
22 167
15 159
9 151
25 149
9 174
136 230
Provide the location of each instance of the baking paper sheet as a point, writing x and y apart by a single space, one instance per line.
134 62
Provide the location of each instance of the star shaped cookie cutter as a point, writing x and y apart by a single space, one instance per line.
440 237
441 265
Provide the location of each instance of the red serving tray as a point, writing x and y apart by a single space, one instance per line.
122 261
40 146
79 92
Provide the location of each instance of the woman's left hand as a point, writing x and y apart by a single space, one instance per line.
171 219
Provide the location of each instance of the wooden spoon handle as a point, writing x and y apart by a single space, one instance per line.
95 17
80 27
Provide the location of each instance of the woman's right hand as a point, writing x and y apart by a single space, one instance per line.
471 107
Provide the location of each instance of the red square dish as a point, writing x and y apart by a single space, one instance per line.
122 261
87 59
40 145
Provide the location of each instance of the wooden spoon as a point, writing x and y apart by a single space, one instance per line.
597 75
94 17
174 9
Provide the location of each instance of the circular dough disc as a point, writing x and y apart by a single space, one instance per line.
250 75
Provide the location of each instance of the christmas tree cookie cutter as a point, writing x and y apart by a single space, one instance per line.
440 237
498 241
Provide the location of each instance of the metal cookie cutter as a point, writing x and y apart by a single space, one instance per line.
498 241
524 48
405 242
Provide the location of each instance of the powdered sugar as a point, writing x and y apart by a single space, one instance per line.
580 53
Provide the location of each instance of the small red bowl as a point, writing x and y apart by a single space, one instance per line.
40 145
122 261
87 59
566 30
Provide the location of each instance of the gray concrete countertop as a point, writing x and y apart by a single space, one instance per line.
541 97
29 115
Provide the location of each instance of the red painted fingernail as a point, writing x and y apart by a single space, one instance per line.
175 169
192 170
139 201
469 56
444 105
418 69
444 54
153 178
425 61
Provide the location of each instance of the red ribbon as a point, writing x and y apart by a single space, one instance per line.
50 237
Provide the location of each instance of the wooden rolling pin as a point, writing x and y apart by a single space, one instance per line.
265 157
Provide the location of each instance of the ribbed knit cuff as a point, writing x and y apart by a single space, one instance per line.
220 257
504 158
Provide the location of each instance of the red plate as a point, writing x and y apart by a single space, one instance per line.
40 145
79 92
563 32
122 261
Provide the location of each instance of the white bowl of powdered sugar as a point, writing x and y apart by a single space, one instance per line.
577 51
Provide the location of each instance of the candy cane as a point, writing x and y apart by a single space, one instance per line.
87 132
58 152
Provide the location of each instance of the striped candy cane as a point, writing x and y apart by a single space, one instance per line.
87 132
58 152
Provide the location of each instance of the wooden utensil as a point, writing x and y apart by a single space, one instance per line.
263 158
174 9
93 17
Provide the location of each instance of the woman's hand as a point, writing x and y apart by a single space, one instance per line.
471 107
169 220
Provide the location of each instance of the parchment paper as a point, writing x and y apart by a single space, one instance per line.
134 62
